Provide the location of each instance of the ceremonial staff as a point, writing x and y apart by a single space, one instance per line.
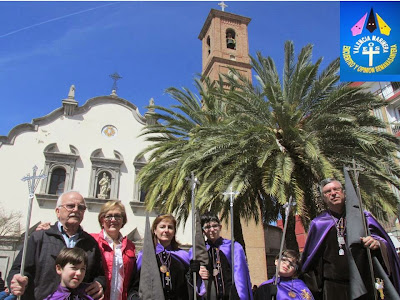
231 198
365 227
287 207
193 181
33 181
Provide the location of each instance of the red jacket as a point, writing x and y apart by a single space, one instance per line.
128 257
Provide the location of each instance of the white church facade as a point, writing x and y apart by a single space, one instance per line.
92 149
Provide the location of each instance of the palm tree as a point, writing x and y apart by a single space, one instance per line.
270 140
296 131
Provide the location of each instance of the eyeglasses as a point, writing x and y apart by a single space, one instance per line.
334 190
289 263
208 227
70 207
110 217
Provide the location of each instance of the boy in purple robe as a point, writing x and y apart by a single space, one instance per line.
288 287
71 265
325 260
219 270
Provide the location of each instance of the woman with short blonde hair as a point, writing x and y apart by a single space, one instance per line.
118 252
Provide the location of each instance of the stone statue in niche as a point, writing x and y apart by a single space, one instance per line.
105 186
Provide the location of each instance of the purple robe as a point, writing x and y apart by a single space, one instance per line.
179 267
320 227
63 293
287 284
179 254
241 272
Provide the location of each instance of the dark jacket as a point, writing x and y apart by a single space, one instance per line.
43 248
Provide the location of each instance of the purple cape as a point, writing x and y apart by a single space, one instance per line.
320 227
241 272
285 285
179 254
63 293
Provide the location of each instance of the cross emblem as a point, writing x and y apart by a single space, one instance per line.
167 280
115 76
370 52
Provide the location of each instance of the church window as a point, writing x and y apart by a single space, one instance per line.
60 167
139 194
230 39
57 181
209 45
142 196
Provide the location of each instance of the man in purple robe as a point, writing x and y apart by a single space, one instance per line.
326 257
219 269
288 287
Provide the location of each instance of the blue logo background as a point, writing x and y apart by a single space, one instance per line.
350 14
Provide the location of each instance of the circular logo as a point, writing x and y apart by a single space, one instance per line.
109 131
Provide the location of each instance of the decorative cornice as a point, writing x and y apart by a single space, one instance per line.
221 14
34 125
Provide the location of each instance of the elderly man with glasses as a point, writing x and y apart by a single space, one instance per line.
40 278
325 263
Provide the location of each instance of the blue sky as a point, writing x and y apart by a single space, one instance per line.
47 46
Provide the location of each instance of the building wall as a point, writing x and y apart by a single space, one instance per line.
24 148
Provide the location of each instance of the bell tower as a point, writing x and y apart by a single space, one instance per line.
225 44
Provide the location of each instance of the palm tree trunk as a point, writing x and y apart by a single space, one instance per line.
237 229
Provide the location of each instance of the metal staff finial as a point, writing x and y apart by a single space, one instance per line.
33 182
287 206
356 171
193 181
231 199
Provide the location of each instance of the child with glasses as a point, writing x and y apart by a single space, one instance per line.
288 286
219 270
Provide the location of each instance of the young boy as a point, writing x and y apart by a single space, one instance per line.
288 287
71 265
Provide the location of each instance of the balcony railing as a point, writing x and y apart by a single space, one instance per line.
388 90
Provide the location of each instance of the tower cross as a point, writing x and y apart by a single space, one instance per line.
115 76
223 5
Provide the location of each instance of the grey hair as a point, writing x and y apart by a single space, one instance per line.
325 182
59 200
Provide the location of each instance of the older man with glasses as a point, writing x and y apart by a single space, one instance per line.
40 278
325 263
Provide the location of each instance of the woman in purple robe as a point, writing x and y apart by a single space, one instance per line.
288 287
173 262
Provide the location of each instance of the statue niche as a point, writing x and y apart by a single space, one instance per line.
104 186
